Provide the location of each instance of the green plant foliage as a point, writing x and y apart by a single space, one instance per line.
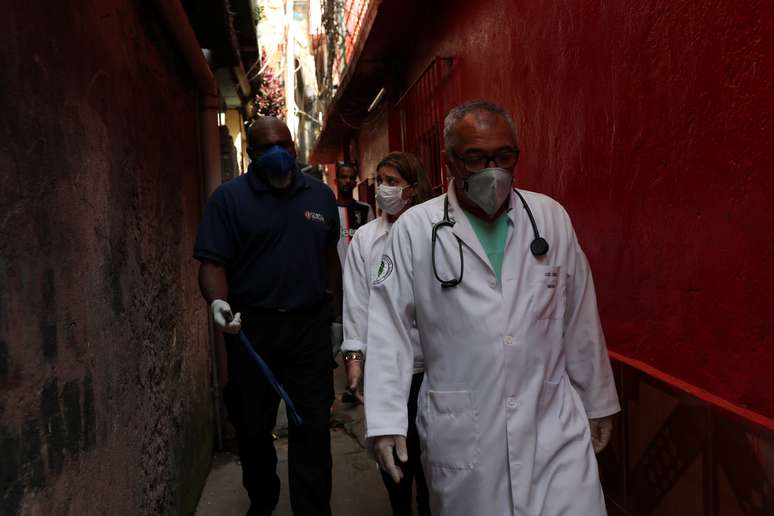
258 14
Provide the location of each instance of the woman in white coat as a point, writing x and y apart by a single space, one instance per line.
401 183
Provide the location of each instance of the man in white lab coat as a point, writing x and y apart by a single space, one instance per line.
518 389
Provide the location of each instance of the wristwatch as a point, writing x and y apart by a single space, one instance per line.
353 355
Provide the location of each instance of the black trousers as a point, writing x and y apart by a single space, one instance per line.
296 347
400 493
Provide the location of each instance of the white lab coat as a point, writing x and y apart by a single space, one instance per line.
361 268
511 373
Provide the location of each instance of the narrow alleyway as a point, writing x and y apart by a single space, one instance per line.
649 123
357 486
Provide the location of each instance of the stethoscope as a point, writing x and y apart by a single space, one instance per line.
538 247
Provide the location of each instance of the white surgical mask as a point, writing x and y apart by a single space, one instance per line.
390 199
488 188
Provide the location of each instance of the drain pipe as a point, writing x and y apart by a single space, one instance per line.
179 27
183 35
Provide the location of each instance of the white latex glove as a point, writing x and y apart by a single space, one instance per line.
337 337
385 449
601 428
224 319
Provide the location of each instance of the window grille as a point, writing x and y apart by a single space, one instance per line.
420 114
353 18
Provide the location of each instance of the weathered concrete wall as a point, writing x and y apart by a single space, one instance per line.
104 363
651 122
373 145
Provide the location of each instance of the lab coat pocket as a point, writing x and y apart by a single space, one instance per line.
561 417
452 430
550 409
548 292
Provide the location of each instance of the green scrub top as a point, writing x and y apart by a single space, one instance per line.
492 237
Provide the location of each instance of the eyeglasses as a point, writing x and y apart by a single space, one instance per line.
477 162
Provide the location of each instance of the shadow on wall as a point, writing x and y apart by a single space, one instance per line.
64 426
674 454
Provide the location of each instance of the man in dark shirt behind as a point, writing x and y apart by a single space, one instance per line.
269 267
352 214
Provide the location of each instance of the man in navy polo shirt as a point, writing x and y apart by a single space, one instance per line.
269 267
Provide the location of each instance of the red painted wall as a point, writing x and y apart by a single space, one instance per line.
650 122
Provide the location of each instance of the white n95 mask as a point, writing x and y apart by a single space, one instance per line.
488 188
390 199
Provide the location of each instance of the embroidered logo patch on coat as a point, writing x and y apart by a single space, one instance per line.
385 269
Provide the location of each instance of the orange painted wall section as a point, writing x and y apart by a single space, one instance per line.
373 145
651 122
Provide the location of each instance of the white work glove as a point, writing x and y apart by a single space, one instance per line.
601 428
386 447
337 337
224 319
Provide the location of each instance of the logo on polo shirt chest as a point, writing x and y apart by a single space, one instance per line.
314 216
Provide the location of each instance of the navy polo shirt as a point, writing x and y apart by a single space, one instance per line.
272 245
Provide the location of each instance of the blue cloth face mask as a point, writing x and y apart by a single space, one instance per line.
277 165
